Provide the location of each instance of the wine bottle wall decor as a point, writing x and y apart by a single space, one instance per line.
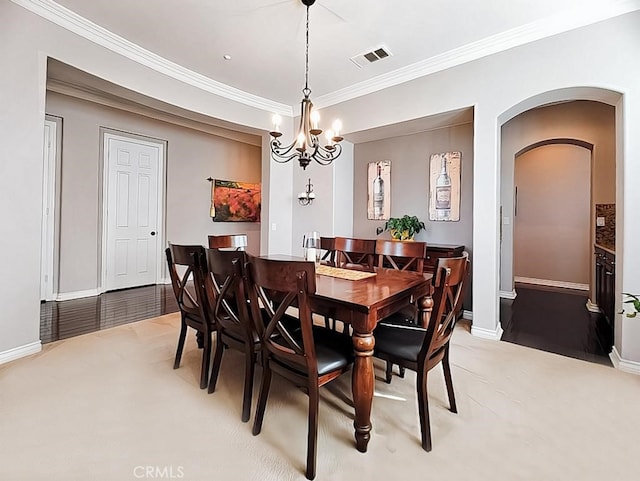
379 190
444 181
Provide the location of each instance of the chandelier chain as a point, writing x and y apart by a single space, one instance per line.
306 90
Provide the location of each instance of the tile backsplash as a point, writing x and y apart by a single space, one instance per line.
606 234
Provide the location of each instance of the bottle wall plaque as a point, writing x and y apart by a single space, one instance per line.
444 182
379 190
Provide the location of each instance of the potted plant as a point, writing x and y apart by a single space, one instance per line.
404 228
635 301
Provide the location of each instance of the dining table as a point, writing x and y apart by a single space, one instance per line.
362 301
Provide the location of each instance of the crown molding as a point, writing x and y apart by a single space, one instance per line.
120 103
79 25
559 23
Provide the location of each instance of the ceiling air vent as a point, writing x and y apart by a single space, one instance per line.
371 57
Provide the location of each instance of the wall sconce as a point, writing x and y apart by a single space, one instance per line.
306 197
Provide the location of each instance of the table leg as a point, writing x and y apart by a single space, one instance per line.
362 386
425 306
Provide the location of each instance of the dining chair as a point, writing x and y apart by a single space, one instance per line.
356 254
223 279
309 357
421 349
236 242
403 256
193 311
328 245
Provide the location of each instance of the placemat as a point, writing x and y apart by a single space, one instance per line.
348 274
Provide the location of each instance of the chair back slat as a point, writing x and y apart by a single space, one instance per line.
355 253
278 285
401 255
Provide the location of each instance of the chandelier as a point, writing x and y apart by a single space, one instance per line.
306 146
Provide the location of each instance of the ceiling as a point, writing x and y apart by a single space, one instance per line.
265 38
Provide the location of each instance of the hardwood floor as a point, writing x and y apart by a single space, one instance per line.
64 319
556 320
553 320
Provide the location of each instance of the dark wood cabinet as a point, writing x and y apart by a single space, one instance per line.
434 251
605 261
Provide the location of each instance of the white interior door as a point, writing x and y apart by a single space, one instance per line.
133 212
48 212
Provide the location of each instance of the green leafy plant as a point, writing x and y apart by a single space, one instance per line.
404 228
635 301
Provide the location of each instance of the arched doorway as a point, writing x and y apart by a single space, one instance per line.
555 118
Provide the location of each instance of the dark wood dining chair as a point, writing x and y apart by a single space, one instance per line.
401 255
311 356
404 256
193 311
328 245
421 349
355 253
236 242
223 278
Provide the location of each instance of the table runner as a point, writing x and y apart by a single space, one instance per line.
348 274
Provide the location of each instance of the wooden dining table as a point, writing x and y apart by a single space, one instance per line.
362 304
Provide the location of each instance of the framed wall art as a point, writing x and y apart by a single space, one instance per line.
235 201
444 187
379 190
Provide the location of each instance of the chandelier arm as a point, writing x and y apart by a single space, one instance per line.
283 152
325 157
281 159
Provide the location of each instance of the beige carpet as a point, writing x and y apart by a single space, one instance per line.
109 406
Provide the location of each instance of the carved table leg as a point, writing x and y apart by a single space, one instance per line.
425 306
362 387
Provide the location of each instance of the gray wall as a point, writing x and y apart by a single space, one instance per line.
409 156
192 156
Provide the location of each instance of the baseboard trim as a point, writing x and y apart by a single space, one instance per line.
67 296
508 294
483 333
592 306
632 367
21 351
550 283
468 315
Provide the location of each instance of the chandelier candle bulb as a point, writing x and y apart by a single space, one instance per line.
315 120
301 142
276 120
329 136
337 126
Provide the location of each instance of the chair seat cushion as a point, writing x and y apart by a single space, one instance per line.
400 341
334 350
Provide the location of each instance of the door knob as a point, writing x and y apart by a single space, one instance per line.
153 232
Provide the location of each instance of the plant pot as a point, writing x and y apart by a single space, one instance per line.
400 236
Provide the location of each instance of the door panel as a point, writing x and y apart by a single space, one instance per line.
132 212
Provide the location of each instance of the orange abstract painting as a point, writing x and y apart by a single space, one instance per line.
235 201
